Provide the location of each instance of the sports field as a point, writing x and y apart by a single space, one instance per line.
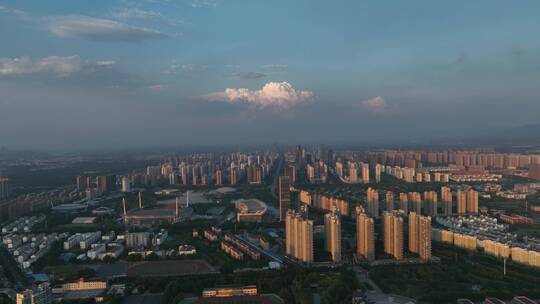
169 268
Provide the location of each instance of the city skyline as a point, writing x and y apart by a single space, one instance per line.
114 74
266 213
251 151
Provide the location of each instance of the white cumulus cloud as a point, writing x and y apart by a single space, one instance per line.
61 66
375 105
75 26
278 95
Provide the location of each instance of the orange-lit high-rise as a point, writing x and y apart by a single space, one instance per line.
299 237
365 241
393 234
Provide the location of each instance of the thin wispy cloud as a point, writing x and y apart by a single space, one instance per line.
57 65
204 3
186 68
191 67
462 59
70 71
135 14
156 87
250 75
233 66
12 11
273 95
275 66
77 26
518 51
105 63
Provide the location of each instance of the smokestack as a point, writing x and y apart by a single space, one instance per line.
140 201
124 204
177 200
187 198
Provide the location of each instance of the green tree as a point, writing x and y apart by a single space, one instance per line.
286 295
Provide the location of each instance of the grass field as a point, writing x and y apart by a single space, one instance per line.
64 269
169 268
143 268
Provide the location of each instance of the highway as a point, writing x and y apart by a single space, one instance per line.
266 253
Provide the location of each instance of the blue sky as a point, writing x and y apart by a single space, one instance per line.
87 74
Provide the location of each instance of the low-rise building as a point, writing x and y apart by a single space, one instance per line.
243 246
87 239
250 210
114 251
230 291
138 239
83 220
210 235
40 294
82 285
516 219
232 251
186 250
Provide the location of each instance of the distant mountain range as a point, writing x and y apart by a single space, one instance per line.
522 135
531 132
7 154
